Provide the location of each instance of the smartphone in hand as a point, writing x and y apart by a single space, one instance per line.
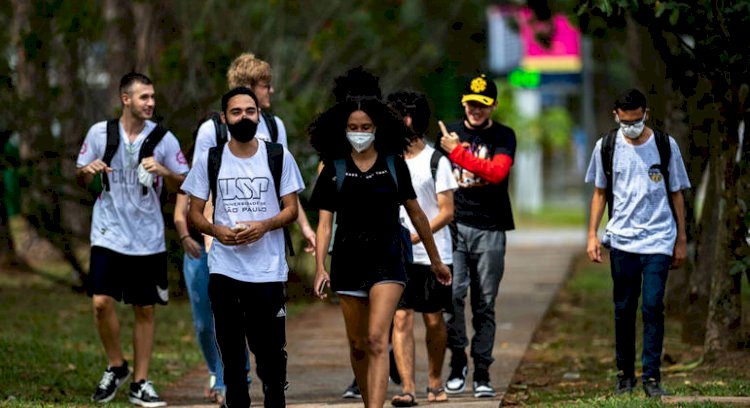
322 286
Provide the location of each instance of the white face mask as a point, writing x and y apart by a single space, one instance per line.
360 140
633 130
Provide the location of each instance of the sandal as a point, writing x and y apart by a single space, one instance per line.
405 399
436 394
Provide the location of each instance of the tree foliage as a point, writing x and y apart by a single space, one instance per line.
62 60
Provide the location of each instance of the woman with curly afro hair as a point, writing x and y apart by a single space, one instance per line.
364 180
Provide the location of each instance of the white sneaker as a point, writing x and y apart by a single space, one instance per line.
483 389
456 383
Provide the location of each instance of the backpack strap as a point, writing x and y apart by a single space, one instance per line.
434 162
213 166
392 169
340 166
608 152
275 153
149 145
271 125
221 128
113 141
665 157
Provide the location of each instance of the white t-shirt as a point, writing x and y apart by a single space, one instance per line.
642 222
125 220
206 137
246 192
427 190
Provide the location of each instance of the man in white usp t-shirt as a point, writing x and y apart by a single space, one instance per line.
423 292
249 71
128 254
247 263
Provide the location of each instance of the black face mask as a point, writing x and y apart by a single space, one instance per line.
243 131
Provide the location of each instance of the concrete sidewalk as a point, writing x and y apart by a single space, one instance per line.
537 263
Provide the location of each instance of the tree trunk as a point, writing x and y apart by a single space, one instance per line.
120 46
725 308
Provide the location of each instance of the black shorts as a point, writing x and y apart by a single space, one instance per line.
135 279
423 292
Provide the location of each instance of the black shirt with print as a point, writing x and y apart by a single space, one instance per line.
478 203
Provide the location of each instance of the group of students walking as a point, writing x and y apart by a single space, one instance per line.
409 228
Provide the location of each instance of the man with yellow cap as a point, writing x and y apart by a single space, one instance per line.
481 152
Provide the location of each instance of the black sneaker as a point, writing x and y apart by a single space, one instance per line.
352 391
143 394
625 384
483 389
653 389
112 379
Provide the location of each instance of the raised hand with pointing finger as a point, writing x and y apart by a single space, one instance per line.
448 140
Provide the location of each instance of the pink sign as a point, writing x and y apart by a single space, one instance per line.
564 53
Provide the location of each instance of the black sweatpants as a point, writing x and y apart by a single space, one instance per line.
252 313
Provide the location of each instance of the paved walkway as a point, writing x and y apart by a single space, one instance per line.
537 263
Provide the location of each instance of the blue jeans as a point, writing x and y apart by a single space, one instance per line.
196 280
633 274
478 263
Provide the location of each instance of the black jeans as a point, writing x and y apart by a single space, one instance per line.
252 313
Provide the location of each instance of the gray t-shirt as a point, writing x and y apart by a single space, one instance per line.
641 222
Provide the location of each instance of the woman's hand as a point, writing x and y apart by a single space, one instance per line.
443 273
319 284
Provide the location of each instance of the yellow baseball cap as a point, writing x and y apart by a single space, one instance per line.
480 89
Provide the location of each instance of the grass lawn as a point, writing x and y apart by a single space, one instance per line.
52 354
552 217
570 361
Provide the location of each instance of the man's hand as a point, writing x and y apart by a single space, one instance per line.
594 249
680 253
95 167
225 235
253 231
448 141
442 273
415 238
154 167
192 248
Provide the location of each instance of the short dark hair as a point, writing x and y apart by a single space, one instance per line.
130 78
240 90
413 104
631 99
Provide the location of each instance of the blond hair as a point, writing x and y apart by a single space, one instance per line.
246 70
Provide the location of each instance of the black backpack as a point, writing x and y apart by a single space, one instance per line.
275 154
113 142
221 128
608 153
434 161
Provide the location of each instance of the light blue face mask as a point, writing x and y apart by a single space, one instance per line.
360 141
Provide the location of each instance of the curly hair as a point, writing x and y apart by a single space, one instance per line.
247 70
414 104
356 83
327 132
